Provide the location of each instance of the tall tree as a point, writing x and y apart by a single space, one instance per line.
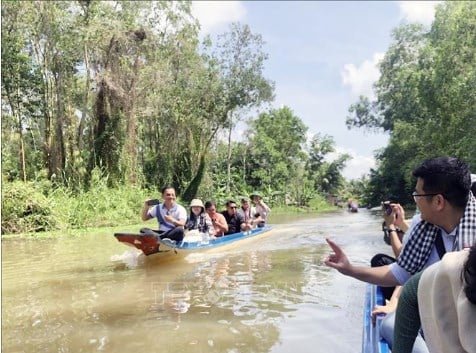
276 150
241 58
21 89
325 174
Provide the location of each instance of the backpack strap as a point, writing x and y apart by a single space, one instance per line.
159 216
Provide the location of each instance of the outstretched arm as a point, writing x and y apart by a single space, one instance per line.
376 275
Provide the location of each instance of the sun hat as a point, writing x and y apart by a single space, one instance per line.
255 193
197 202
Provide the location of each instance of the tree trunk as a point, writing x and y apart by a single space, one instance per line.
58 149
84 112
228 162
130 146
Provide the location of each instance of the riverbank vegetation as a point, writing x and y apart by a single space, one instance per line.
103 103
38 209
106 102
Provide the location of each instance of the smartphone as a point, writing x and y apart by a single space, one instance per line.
153 202
387 208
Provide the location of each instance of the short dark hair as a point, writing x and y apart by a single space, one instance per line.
209 204
229 202
162 191
448 176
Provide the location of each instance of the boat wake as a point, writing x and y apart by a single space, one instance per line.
131 258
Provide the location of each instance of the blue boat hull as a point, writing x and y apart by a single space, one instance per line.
152 244
372 342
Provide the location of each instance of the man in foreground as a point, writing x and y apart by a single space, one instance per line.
448 223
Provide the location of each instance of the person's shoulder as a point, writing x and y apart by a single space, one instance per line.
181 209
454 259
416 219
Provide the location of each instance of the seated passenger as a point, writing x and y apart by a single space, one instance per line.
218 220
252 218
236 222
199 219
170 215
261 208
442 299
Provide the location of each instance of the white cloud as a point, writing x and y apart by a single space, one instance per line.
355 168
360 79
216 15
418 11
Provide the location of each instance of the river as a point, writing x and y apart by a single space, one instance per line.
271 294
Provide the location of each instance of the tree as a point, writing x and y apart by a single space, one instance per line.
275 148
425 97
21 91
240 59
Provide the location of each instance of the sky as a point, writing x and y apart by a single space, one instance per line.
322 56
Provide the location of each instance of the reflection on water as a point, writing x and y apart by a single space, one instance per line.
270 294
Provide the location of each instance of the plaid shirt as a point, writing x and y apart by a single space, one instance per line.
422 239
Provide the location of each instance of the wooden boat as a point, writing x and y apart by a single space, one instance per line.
150 243
372 342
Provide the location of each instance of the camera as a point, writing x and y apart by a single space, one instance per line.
387 208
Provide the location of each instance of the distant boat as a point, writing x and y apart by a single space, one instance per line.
150 243
353 207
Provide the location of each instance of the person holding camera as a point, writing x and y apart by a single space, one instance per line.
394 225
170 215
252 218
261 208
448 215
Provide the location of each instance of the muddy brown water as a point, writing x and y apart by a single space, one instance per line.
269 294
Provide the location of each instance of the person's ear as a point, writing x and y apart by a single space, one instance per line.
439 201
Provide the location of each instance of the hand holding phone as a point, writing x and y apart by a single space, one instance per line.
153 202
387 208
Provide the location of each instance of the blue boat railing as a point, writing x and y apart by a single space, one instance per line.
372 342
216 241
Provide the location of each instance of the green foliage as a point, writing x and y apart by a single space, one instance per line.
26 209
276 148
36 207
101 102
425 99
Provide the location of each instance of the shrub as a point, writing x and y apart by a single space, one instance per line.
25 209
